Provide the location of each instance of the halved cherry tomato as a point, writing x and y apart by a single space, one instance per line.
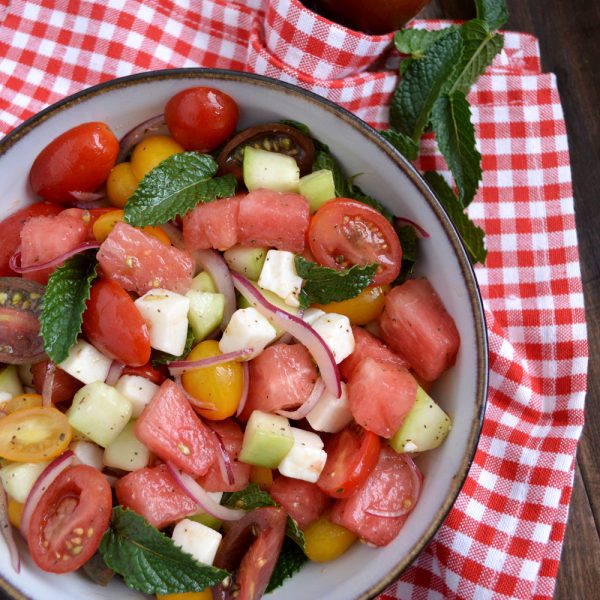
114 325
34 434
64 385
345 232
351 456
70 519
201 118
155 374
10 231
20 402
106 222
362 309
79 160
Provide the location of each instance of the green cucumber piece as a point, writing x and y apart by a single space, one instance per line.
246 261
126 452
270 170
207 520
9 381
205 313
267 439
18 478
203 282
425 427
317 188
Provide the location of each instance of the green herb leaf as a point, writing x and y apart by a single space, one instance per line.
161 358
408 240
149 561
480 46
493 12
175 187
249 498
324 160
403 143
471 234
289 563
422 84
296 125
415 42
295 533
64 304
323 285
455 135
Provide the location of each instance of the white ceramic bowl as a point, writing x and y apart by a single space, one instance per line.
123 103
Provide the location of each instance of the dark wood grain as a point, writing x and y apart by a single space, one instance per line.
569 34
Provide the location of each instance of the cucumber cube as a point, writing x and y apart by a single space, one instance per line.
126 452
270 170
10 382
205 313
203 282
99 412
267 439
18 478
246 261
317 188
425 427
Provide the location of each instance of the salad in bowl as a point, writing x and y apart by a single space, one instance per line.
242 346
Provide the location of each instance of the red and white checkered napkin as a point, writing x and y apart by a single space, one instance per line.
503 537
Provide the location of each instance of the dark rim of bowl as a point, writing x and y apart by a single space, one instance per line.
370 133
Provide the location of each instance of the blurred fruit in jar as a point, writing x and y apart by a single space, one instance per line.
375 17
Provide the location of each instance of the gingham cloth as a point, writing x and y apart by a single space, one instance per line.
503 537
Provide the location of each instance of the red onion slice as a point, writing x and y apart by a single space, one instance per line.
178 367
200 496
7 532
302 331
174 235
403 221
135 135
48 475
116 368
223 458
15 259
48 384
245 389
309 403
191 399
86 197
217 268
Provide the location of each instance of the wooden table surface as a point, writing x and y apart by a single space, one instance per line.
569 34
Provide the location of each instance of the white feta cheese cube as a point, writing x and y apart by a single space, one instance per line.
306 459
166 314
138 390
18 478
279 276
198 540
312 314
247 328
336 332
86 363
88 453
330 414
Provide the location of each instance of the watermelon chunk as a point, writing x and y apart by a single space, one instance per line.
212 225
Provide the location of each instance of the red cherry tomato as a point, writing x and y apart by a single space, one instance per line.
10 231
201 118
69 521
64 385
114 325
345 232
351 456
79 160
155 374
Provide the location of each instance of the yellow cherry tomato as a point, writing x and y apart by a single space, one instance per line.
205 594
34 434
361 310
152 151
15 511
20 402
326 541
156 231
262 476
121 184
220 385
105 223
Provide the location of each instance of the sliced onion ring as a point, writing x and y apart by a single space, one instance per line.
116 368
48 384
86 197
178 367
174 235
223 458
245 389
191 399
15 259
309 403
217 268
200 496
403 221
48 475
299 329
7 532
135 135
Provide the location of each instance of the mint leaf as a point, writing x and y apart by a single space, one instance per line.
149 561
249 498
295 533
471 234
408 240
493 12
324 160
323 285
296 125
455 135
357 194
161 358
289 563
403 143
480 47
422 84
415 42
64 304
175 187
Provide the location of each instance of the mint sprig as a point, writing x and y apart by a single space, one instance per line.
149 561
289 563
493 12
175 187
251 497
63 305
323 285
